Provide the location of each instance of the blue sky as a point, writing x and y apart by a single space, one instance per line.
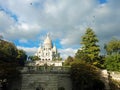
102 1
26 22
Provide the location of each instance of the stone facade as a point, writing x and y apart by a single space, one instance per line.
47 52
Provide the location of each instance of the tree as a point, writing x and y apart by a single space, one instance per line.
80 55
33 58
112 46
112 59
90 47
21 57
8 51
68 61
85 77
112 62
9 61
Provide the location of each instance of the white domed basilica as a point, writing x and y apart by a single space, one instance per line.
48 53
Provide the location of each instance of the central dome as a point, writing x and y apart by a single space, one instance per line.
48 42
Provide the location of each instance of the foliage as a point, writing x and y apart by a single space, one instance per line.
8 71
57 59
100 63
112 46
112 59
90 50
112 62
85 77
33 58
10 60
21 57
60 59
68 61
8 51
80 55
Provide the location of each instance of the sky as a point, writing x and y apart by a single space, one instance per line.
26 22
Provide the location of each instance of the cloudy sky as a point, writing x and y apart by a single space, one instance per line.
26 22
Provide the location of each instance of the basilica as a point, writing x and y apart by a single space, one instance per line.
48 53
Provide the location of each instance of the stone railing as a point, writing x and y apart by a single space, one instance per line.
115 75
108 76
45 69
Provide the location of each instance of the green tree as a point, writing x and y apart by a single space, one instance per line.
112 46
68 61
33 58
90 47
112 59
9 63
112 62
21 57
8 51
80 55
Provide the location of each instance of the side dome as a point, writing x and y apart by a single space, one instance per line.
54 48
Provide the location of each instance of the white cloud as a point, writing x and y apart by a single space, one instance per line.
23 40
67 52
66 20
28 50
5 21
22 30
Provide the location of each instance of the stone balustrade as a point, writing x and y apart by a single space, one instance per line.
45 69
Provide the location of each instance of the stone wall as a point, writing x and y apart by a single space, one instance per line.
53 79
115 75
46 79
105 79
107 76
